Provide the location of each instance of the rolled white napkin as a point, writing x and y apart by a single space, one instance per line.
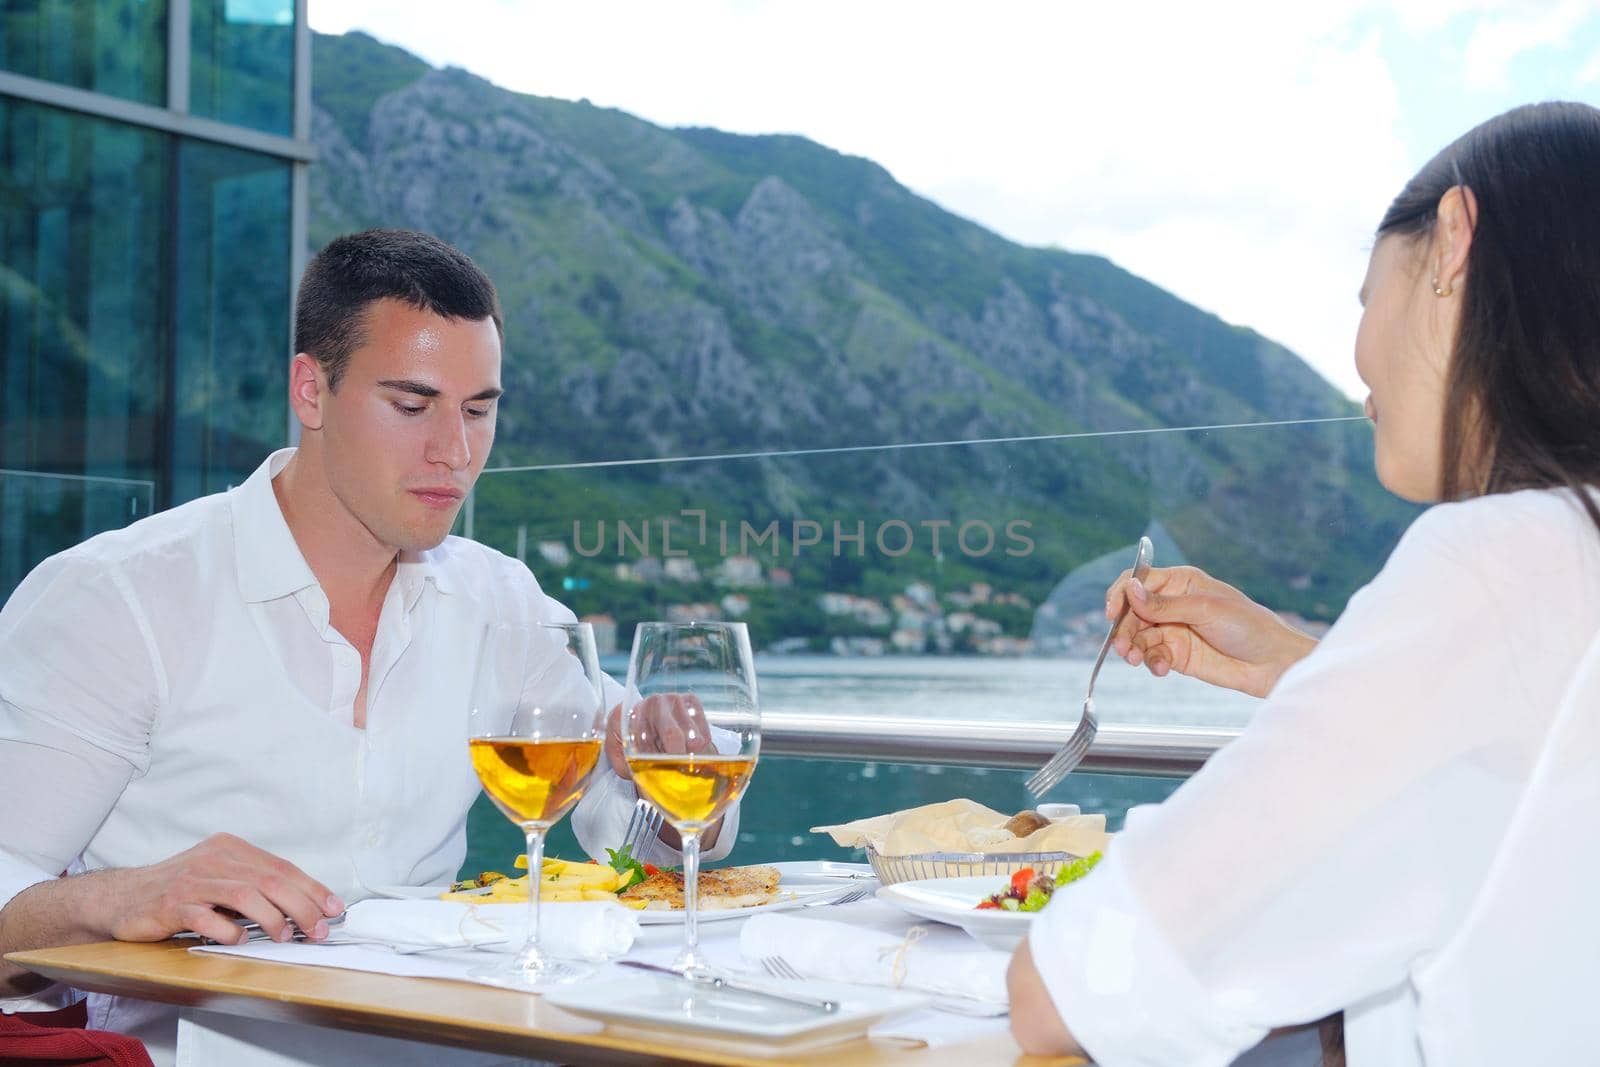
938 960
585 930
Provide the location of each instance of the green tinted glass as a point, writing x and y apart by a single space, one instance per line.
241 63
117 47
232 316
82 328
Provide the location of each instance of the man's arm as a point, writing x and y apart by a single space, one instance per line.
58 791
80 685
679 727
181 893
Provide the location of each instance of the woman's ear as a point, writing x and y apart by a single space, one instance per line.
1452 238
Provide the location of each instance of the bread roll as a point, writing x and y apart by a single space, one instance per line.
1024 823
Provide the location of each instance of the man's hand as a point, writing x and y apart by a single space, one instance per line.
1035 1023
1184 620
155 902
664 722
184 893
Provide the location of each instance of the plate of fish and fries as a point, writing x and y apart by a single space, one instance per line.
656 893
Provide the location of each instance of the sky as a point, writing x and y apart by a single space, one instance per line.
1237 153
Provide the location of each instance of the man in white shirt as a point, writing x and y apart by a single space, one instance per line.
255 701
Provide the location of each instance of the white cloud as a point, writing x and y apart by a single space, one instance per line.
1238 154
1496 42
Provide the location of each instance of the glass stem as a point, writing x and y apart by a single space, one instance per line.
691 890
535 879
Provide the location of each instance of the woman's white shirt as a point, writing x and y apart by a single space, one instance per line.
1324 859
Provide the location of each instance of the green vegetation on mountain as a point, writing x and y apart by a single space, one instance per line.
688 292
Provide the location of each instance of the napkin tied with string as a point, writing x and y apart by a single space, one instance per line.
587 930
932 959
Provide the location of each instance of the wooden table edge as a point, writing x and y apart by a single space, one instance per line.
152 971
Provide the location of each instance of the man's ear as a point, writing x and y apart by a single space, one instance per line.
308 387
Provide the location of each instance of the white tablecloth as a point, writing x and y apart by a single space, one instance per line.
655 944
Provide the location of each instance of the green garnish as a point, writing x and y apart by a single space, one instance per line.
1071 872
1036 899
622 862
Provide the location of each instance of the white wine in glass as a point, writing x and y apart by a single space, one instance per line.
536 728
692 737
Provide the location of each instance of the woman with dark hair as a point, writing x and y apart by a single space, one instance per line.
1406 832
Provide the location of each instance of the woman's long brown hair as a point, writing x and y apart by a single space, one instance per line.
1523 389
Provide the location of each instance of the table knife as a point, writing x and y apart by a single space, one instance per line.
718 982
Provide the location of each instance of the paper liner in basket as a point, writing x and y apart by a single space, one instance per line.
966 826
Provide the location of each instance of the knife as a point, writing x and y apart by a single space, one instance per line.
718 982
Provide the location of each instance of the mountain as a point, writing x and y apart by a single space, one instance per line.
688 292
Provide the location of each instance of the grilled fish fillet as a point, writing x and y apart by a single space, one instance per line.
726 887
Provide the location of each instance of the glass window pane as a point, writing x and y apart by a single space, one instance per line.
232 315
241 64
81 315
81 326
117 47
41 514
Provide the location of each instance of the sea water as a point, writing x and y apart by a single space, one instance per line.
790 795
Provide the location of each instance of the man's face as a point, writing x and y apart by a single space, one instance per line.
407 433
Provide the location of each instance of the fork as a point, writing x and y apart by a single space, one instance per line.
1071 754
643 827
860 892
778 967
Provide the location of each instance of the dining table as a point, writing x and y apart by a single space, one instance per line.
261 985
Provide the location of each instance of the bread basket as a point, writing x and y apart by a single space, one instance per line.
916 867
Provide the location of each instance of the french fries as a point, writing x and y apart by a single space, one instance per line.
560 880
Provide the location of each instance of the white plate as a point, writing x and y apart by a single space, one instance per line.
783 1029
823 872
798 882
409 892
789 896
955 900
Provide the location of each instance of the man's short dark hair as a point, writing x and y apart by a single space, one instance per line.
353 271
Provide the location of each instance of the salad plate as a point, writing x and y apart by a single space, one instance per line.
955 901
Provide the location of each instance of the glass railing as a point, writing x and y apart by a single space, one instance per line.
926 617
42 514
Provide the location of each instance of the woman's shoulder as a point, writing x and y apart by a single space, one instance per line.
1530 527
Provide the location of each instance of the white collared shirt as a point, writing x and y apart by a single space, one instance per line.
1339 853
178 678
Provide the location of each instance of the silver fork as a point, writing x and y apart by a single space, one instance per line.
643 827
860 892
1071 754
778 967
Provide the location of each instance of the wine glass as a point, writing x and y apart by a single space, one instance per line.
692 736
536 727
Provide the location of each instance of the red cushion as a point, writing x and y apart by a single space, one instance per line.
58 1037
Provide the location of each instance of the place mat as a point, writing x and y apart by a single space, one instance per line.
719 942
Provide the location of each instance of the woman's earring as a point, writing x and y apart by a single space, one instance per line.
1440 292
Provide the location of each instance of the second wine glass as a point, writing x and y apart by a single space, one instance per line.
692 736
536 728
